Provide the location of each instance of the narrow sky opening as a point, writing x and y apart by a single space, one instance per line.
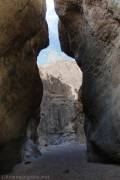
53 53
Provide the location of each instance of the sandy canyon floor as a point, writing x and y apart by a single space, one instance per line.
65 162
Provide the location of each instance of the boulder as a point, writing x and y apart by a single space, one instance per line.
89 31
23 33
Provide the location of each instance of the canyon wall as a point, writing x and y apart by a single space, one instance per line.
62 116
89 31
23 33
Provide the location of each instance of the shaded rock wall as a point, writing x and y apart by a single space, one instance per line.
23 33
90 32
62 116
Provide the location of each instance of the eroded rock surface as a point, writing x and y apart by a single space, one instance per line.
90 32
62 115
23 33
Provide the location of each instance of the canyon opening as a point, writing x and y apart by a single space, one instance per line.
62 116
59 89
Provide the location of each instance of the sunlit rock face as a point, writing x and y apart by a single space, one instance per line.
62 116
23 33
90 32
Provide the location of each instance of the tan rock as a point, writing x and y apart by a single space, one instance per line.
23 32
90 32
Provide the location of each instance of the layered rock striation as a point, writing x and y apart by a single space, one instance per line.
23 33
89 31
62 115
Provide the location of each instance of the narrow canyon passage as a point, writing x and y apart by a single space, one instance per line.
62 116
61 110
44 132
63 155
61 126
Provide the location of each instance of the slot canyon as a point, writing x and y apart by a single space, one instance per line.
61 120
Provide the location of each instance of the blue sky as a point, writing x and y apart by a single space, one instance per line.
53 52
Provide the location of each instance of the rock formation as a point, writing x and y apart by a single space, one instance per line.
23 33
90 32
62 115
